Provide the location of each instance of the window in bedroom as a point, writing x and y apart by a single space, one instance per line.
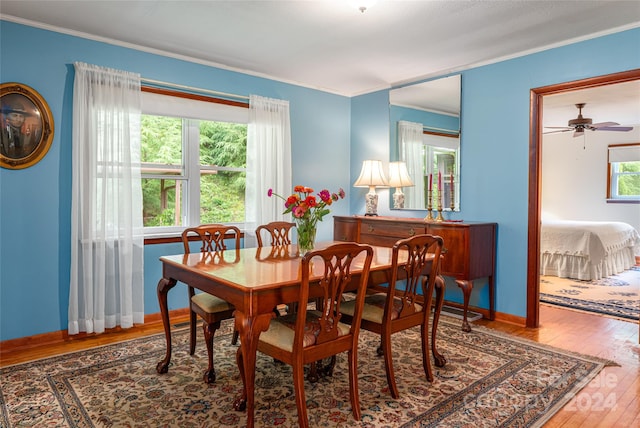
624 173
193 155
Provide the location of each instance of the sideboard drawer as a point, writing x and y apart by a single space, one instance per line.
378 240
395 230
345 229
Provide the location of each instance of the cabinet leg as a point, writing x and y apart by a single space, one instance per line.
492 300
466 287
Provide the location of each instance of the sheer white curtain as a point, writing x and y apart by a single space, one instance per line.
411 151
107 285
268 163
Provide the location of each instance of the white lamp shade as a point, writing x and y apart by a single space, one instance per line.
398 175
371 175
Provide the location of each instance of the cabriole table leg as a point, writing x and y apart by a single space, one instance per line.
164 285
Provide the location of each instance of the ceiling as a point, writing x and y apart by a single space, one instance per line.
329 44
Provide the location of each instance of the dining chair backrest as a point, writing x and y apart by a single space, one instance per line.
211 236
278 231
420 273
337 261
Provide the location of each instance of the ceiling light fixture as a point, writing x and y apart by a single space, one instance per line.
362 5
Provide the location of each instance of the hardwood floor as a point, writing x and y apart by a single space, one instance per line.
9 357
610 400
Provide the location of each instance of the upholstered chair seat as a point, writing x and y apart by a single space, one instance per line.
210 303
281 331
374 305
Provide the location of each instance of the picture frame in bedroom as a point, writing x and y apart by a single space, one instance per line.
27 126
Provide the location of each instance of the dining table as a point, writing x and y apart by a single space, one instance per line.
255 281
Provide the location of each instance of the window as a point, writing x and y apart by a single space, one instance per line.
193 156
624 173
442 154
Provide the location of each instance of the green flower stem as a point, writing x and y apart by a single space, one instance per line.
306 234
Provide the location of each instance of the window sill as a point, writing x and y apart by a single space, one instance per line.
623 201
162 238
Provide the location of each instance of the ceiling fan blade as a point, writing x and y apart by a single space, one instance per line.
614 128
559 130
578 133
558 127
604 124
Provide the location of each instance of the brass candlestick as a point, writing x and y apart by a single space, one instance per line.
439 218
453 199
429 216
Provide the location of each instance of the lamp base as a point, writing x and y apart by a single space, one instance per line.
370 215
398 199
371 203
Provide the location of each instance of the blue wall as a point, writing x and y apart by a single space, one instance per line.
35 203
331 135
495 146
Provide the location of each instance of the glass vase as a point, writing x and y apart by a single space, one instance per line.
306 236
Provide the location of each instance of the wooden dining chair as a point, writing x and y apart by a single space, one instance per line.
406 306
311 335
211 309
280 236
278 231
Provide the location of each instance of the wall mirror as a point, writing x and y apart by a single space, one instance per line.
425 134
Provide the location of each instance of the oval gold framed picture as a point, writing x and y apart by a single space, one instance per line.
27 126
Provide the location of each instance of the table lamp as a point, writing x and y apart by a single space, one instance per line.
371 176
399 178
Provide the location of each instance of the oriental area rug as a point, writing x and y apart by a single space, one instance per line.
616 296
490 379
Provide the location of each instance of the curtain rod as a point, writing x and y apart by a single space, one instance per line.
191 88
434 129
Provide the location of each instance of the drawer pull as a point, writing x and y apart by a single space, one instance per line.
445 250
412 232
370 228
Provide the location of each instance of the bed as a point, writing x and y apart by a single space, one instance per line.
587 250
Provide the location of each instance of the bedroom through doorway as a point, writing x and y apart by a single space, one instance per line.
566 176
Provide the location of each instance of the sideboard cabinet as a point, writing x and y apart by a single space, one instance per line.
469 248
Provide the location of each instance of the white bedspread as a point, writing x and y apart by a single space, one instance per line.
587 249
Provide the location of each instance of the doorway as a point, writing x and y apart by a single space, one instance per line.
535 179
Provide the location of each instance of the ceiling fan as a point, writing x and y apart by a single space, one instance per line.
579 124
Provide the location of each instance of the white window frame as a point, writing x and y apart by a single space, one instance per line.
619 153
193 110
435 142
